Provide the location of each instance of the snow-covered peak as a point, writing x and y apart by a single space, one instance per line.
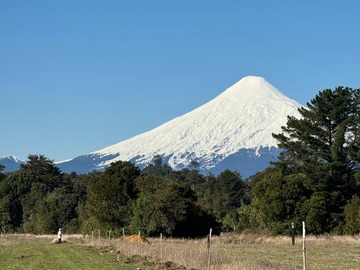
242 117
13 158
251 87
11 163
254 91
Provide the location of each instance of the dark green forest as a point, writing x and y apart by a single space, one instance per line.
316 179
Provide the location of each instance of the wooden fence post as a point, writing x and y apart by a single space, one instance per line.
209 246
138 242
124 237
304 246
161 247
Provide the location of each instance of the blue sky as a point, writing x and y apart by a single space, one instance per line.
77 76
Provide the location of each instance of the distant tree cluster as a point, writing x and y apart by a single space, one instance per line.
316 180
39 199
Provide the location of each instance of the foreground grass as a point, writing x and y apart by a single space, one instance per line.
46 255
271 254
228 252
249 252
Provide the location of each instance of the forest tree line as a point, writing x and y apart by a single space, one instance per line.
316 179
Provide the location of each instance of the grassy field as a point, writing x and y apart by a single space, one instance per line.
228 252
36 253
252 252
338 253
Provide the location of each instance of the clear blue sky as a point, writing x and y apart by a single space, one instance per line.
77 76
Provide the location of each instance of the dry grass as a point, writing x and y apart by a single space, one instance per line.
246 252
228 252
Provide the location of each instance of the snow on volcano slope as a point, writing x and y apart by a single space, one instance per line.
231 131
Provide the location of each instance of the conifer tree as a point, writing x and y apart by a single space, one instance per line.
324 145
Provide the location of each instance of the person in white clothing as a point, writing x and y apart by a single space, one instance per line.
59 235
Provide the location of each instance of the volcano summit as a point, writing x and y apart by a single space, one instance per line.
232 131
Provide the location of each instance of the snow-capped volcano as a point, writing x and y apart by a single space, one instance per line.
231 131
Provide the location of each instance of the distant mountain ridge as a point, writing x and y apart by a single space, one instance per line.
11 163
232 131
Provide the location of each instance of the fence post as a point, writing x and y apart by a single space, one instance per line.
99 236
138 242
208 246
124 237
161 247
304 246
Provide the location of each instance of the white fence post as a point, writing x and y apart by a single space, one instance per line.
138 242
209 253
304 246
161 247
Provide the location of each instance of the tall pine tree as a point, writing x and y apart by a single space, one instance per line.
324 145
